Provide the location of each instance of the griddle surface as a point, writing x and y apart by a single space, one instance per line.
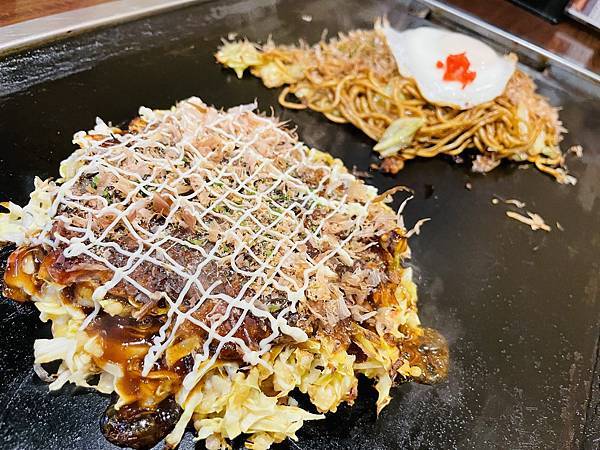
519 308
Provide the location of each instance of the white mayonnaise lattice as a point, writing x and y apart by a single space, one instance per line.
254 207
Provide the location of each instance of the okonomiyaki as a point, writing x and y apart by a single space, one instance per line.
208 269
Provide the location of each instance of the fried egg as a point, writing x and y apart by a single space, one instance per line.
450 69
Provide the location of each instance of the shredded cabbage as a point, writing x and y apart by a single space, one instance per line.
331 379
290 368
239 56
19 224
380 358
274 75
74 348
398 135
539 146
245 408
242 55
229 401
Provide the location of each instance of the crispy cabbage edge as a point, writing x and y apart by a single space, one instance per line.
230 401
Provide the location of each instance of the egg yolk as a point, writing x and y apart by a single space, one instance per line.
457 69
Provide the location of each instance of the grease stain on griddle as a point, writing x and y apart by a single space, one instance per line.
429 190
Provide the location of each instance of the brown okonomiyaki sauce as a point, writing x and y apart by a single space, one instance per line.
125 341
149 411
428 351
20 274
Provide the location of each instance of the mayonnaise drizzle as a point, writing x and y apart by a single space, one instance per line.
173 137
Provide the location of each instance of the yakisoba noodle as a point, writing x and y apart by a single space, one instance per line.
354 79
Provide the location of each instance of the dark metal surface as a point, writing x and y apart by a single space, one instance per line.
552 10
520 308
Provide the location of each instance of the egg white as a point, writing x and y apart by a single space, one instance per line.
417 52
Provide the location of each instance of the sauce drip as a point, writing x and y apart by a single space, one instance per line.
140 428
20 275
429 351
125 341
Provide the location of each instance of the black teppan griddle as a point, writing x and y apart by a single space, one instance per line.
520 309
